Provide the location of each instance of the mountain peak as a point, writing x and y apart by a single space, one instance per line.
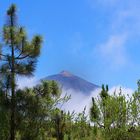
66 73
68 81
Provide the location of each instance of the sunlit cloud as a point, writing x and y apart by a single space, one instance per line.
80 100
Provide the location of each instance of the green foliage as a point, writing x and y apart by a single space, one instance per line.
119 117
94 112
4 116
36 107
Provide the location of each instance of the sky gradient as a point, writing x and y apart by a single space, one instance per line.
95 39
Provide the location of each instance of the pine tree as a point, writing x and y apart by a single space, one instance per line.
94 111
18 57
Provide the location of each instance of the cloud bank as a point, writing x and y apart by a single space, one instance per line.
79 100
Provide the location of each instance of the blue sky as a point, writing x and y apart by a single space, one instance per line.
95 39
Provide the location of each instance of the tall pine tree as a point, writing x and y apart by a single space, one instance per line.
18 57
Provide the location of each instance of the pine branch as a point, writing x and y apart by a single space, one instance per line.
3 55
4 59
23 57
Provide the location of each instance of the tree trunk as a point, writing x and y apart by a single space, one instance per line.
12 123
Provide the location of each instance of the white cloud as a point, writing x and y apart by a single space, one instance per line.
80 100
124 14
124 23
26 82
113 50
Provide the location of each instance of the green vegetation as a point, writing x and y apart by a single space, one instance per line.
115 116
34 113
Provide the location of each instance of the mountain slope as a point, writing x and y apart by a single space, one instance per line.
68 81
